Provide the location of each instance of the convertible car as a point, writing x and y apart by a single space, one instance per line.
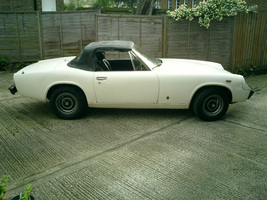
116 74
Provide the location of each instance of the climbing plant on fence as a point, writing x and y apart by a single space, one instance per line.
209 10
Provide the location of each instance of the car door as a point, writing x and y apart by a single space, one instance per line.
126 87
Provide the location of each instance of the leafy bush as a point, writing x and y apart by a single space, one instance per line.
4 63
209 10
26 195
3 183
250 71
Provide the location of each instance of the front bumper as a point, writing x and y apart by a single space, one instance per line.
13 89
250 94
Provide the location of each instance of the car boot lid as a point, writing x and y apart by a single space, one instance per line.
44 65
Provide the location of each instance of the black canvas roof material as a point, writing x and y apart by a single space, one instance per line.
86 60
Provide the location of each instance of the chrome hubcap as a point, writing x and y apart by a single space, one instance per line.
213 105
66 102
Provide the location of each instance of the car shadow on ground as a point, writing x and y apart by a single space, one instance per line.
97 112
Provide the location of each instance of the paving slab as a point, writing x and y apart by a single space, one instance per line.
134 154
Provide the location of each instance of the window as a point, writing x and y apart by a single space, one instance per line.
186 2
157 4
169 4
194 2
177 3
118 61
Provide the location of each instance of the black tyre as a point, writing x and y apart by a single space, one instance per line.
68 102
211 104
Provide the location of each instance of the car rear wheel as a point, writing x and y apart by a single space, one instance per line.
211 104
68 102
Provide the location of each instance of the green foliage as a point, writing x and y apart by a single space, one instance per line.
4 63
3 183
23 196
127 3
96 4
250 71
26 193
76 4
209 10
101 4
19 65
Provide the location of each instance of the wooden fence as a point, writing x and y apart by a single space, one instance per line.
238 41
30 36
165 37
250 40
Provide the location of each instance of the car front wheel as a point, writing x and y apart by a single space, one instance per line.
211 104
68 102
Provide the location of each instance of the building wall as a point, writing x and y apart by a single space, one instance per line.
164 3
26 5
262 4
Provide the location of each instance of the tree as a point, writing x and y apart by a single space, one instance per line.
145 7
129 3
102 3
74 4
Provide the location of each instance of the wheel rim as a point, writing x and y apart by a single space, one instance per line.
66 103
213 105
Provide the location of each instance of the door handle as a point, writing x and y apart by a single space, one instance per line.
101 78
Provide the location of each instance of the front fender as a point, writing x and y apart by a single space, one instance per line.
203 86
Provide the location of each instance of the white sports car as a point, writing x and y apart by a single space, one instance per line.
116 74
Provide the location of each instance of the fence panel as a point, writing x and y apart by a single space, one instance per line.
258 50
190 41
107 28
221 40
183 39
233 42
19 36
146 32
52 37
129 29
250 43
31 36
151 36
67 33
177 39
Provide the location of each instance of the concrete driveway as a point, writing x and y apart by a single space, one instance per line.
134 154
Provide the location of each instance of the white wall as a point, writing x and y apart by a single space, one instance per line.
49 5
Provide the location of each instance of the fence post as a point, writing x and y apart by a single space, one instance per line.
263 46
96 27
251 33
231 62
188 39
61 36
18 34
40 35
164 45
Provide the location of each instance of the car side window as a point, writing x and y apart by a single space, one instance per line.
118 61
136 62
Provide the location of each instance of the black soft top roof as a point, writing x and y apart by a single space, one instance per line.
86 60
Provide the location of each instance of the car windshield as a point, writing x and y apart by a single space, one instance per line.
149 60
